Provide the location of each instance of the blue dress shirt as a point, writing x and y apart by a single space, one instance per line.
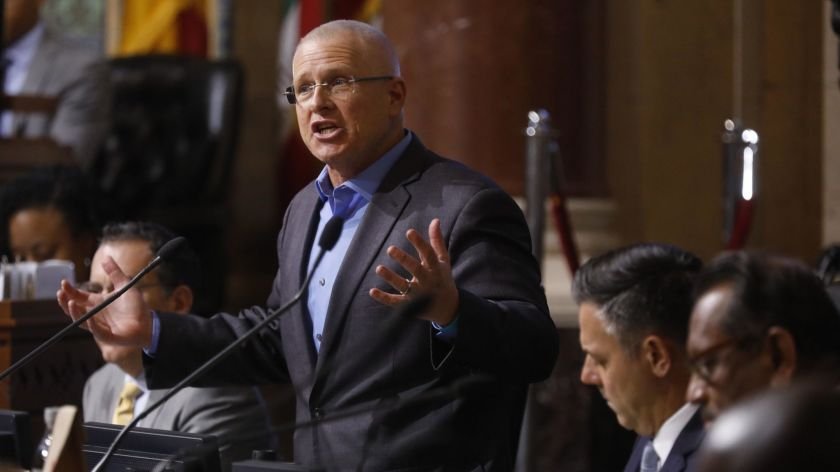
350 201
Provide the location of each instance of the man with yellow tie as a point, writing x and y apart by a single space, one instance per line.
124 412
118 390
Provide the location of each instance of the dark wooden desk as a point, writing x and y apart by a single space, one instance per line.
58 376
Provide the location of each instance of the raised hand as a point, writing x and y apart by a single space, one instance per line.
127 321
430 274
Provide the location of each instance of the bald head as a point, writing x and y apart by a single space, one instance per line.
349 96
779 430
364 37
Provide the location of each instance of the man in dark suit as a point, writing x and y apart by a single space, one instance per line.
635 304
343 347
760 321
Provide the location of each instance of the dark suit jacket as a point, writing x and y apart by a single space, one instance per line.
681 458
369 356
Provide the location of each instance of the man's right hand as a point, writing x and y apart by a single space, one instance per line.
127 321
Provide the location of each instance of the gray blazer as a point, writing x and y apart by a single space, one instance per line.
72 71
229 412
370 357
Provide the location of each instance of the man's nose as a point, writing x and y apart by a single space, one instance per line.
697 390
588 375
320 98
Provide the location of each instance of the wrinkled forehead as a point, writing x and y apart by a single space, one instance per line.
338 52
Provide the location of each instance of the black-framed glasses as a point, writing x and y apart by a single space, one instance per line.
339 88
705 364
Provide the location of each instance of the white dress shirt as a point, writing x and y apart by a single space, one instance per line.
143 398
667 435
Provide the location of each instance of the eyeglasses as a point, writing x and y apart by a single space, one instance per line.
339 88
705 364
96 287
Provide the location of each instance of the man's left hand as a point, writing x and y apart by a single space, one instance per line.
430 275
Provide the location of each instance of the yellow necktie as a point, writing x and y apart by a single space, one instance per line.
124 412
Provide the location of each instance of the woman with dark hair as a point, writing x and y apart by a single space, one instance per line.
50 214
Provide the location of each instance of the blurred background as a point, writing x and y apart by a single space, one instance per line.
637 93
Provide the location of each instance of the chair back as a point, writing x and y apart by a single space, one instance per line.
175 125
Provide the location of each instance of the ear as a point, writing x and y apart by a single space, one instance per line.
782 355
181 299
396 95
655 351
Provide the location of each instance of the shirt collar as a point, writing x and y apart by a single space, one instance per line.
368 181
140 381
667 435
24 48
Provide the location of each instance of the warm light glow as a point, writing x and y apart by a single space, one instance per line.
747 175
749 136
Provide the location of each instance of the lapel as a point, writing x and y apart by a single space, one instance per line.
383 212
686 444
635 460
297 324
112 385
151 420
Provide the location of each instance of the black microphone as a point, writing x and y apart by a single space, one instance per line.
329 236
163 253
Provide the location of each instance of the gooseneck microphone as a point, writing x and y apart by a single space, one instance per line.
163 253
329 236
459 388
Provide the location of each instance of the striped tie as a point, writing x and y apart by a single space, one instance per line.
650 461
124 412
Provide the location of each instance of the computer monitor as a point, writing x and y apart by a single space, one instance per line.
15 439
144 449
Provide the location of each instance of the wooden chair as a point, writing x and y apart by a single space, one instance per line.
21 155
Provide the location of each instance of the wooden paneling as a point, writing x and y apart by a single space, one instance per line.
474 69
58 375
790 212
670 85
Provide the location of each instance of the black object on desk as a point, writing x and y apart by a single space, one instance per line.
15 438
143 449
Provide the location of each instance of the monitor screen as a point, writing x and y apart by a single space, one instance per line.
15 439
144 449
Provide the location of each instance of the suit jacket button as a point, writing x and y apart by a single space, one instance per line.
317 413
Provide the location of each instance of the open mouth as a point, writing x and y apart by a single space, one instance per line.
324 129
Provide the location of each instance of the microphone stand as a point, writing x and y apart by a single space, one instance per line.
455 390
329 236
162 254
